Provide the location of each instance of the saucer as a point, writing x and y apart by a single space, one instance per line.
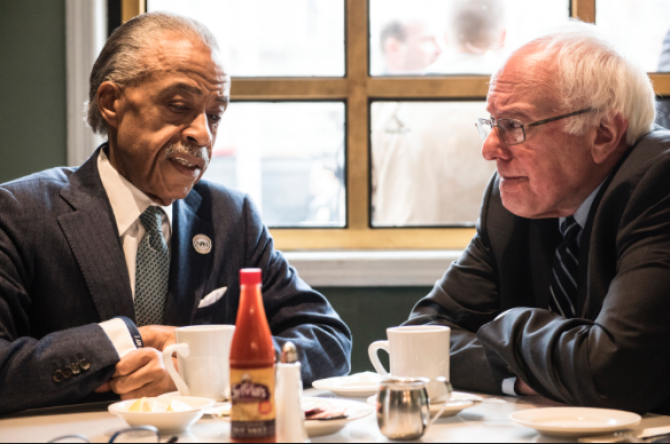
458 402
570 422
359 385
353 409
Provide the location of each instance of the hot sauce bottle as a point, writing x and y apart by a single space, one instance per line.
252 373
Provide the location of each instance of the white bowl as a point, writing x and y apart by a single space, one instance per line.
166 422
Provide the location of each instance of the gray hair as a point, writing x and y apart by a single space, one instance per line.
393 29
478 23
123 59
590 72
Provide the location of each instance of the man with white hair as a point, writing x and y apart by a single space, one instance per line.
133 238
564 289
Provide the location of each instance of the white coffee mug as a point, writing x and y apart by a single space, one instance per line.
416 352
203 352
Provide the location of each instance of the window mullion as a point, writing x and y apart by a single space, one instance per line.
132 8
357 115
584 10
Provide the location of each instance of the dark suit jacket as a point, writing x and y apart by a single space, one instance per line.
616 353
62 271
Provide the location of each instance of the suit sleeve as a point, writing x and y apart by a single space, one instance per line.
464 299
295 311
622 358
28 365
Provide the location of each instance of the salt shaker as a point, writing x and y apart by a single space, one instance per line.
290 415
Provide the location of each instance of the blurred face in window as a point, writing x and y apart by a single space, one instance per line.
410 49
552 172
162 128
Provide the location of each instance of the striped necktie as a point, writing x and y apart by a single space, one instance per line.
566 271
152 270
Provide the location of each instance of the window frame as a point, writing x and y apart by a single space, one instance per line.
358 89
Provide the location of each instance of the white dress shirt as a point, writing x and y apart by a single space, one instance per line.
581 215
128 203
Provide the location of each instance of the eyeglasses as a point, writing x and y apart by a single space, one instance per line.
135 434
512 131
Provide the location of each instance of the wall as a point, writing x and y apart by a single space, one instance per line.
369 312
32 87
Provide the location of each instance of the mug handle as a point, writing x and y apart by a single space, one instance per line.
181 349
374 356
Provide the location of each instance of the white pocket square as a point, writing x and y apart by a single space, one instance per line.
212 298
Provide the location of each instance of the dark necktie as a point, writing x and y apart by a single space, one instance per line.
565 271
152 270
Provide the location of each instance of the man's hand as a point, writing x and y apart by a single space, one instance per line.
140 373
522 389
158 336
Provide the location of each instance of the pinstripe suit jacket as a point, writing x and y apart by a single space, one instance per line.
616 353
62 271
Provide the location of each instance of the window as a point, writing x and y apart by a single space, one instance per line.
335 61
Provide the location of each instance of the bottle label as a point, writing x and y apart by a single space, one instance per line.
253 412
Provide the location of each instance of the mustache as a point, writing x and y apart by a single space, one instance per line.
199 152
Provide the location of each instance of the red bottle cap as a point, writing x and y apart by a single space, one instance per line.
250 276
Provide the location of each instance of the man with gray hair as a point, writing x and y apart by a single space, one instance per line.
475 36
564 289
133 238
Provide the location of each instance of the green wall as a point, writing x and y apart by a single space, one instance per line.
369 311
33 121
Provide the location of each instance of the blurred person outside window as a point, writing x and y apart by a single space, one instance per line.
475 37
408 47
426 163
663 106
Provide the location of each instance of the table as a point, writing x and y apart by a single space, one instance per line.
486 422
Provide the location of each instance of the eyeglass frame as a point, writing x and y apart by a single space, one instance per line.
482 121
116 435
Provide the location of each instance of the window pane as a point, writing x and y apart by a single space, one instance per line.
663 113
272 37
289 156
639 28
434 37
427 167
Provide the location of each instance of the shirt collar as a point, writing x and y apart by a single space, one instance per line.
582 212
127 201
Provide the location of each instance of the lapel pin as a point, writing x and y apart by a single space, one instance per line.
202 244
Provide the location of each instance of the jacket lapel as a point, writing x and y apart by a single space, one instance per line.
188 268
94 239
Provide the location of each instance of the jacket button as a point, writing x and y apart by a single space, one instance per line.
67 372
58 376
84 365
75 368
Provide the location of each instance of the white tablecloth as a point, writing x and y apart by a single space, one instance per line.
487 422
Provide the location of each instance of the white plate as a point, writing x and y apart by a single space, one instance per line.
575 421
167 422
354 410
458 402
360 385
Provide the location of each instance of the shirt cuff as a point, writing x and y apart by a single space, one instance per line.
117 332
508 387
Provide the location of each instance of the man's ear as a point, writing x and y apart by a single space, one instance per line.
392 46
109 95
610 135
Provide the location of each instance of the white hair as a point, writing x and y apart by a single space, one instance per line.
126 57
590 72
